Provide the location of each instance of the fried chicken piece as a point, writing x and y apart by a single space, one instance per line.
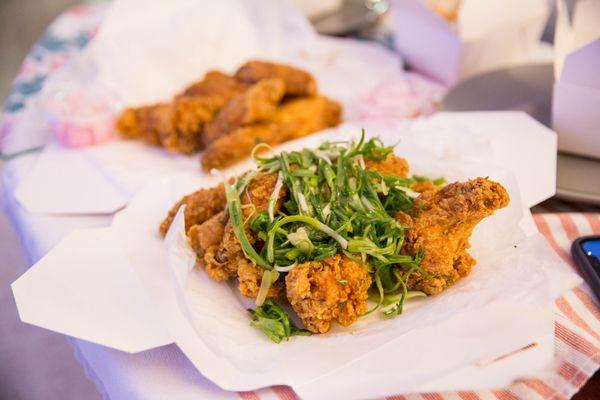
404 219
145 122
221 261
333 290
256 104
294 119
442 224
424 186
228 149
208 233
200 206
217 85
303 116
185 122
391 165
297 81
227 260
250 277
177 125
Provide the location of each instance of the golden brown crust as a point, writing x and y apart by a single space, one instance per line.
209 233
250 277
334 290
424 186
188 117
293 119
200 206
442 224
229 149
391 165
231 114
303 116
216 85
297 81
145 122
226 259
256 104
177 126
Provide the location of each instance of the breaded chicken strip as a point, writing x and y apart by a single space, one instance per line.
177 125
184 125
229 149
391 165
294 119
442 224
297 82
217 85
303 116
333 290
256 104
145 122
200 206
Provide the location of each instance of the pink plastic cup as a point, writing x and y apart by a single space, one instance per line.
81 116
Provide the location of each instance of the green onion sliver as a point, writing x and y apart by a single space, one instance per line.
307 220
275 196
269 277
234 206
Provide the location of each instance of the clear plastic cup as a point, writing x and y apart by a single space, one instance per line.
80 114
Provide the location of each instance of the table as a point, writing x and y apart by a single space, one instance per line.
165 372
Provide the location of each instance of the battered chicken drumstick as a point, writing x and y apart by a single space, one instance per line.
442 223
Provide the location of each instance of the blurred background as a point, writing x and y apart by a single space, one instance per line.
36 363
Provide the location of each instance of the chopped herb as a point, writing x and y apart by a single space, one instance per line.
274 322
334 205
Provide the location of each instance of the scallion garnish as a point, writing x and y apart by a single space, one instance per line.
334 204
274 322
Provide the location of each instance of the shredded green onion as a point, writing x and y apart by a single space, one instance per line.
236 217
334 204
268 279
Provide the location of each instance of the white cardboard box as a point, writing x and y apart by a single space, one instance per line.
576 95
487 34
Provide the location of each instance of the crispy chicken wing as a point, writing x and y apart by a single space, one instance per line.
441 225
294 119
333 290
297 82
256 104
200 206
